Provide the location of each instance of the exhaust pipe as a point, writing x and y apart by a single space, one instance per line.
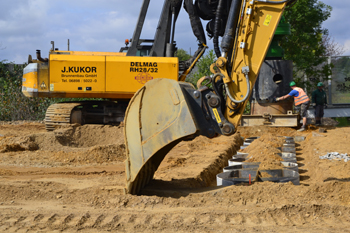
38 56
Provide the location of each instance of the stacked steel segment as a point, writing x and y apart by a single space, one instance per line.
245 168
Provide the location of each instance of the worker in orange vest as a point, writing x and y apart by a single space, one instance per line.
301 100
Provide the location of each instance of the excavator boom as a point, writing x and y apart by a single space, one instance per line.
164 111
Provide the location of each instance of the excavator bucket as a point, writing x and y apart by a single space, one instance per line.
159 116
156 120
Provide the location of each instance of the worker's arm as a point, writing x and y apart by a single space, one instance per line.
283 97
292 93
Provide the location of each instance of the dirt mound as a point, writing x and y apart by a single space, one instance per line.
264 150
68 138
201 142
96 154
89 135
18 144
262 130
20 128
68 145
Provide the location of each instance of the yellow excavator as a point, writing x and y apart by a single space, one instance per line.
145 83
112 76
164 112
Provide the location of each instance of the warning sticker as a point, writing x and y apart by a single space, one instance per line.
267 20
218 119
43 85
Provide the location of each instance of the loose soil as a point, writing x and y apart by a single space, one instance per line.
264 150
73 179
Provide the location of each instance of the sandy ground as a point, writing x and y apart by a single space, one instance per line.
73 179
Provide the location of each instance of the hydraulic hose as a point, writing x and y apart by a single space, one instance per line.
245 97
196 23
218 17
230 30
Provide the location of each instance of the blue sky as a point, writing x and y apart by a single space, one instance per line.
103 25
338 24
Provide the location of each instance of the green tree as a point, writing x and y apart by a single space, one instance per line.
13 104
305 46
182 55
202 67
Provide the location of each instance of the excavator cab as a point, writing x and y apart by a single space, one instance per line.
164 112
142 50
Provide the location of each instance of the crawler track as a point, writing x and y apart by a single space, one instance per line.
59 114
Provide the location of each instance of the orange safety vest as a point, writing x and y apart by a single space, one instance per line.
302 97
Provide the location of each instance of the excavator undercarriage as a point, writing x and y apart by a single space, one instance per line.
85 112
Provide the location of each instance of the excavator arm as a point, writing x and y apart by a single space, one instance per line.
164 112
257 22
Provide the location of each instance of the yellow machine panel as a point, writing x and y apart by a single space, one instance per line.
128 74
35 80
77 73
106 75
30 80
43 78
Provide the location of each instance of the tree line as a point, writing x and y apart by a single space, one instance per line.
13 104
